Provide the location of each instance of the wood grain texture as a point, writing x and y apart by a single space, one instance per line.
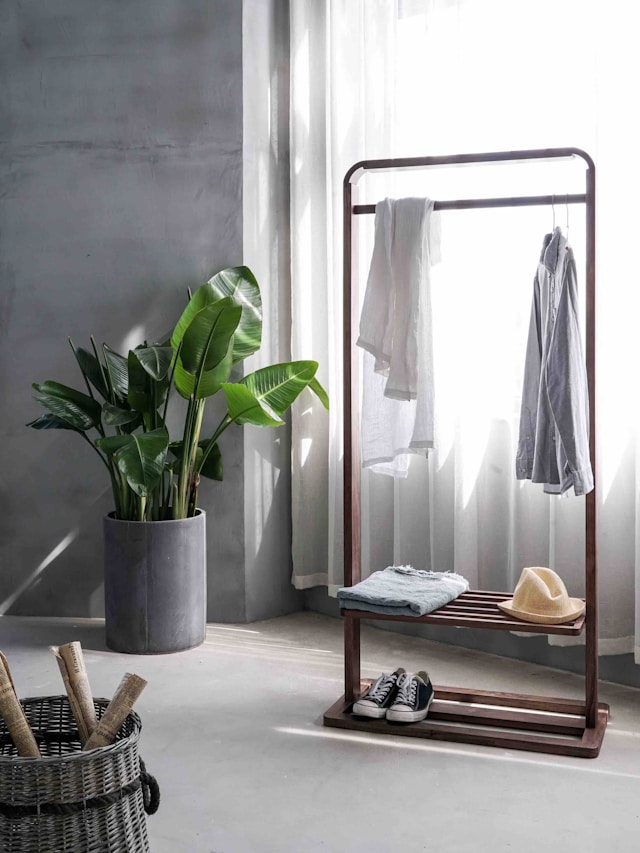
475 609
488 728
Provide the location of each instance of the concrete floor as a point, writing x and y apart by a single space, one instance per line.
232 730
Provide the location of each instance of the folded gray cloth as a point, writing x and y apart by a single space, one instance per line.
403 591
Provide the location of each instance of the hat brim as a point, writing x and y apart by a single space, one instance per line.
576 608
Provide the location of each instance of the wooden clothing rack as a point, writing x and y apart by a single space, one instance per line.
511 720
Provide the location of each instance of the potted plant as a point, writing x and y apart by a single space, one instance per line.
155 562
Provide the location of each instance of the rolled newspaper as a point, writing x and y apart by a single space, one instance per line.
74 674
13 715
116 712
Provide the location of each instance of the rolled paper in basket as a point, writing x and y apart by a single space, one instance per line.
76 682
117 710
13 715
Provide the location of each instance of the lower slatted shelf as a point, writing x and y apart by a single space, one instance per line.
513 721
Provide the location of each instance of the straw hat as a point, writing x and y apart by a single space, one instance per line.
541 596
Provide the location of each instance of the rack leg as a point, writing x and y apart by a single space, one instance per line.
591 685
351 659
591 556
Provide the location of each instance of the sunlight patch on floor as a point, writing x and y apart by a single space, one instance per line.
234 630
579 764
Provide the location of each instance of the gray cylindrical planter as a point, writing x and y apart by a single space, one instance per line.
155 584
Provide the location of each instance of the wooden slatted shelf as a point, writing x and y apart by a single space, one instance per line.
481 717
474 609
553 725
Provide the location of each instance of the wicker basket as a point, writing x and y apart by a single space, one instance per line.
71 801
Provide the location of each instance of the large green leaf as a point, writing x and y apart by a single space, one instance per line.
80 410
245 408
205 357
113 443
117 416
206 341
319 391
145 393
140 458
117 370
184 382
90 366
208 384
239 284
156 360
278 386
50 421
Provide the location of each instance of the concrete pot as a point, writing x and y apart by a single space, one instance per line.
155 584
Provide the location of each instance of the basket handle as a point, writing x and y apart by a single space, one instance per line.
150 790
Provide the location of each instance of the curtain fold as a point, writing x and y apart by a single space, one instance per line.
379 79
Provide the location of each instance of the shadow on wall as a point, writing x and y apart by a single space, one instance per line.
52 553
54 493
55 490
268 559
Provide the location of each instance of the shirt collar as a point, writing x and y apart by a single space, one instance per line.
553 249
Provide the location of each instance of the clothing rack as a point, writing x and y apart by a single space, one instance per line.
511 720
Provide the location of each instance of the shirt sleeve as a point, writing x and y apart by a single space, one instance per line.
530 390
566 382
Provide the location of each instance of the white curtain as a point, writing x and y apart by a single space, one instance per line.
373 78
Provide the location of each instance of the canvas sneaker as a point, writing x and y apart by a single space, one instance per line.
414 695
379 696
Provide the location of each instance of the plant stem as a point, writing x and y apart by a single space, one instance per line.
165 495
92 445
173 370
193 425
193 495
116 494
224 423
174 493
179 499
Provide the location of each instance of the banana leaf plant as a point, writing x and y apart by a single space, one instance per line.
123 414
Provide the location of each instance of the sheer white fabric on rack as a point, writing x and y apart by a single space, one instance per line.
376 79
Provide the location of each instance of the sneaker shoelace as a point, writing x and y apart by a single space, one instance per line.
379 691
407 689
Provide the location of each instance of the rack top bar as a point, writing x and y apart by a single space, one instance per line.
357 169
514 201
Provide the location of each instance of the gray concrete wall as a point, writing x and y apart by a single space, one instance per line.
120 185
